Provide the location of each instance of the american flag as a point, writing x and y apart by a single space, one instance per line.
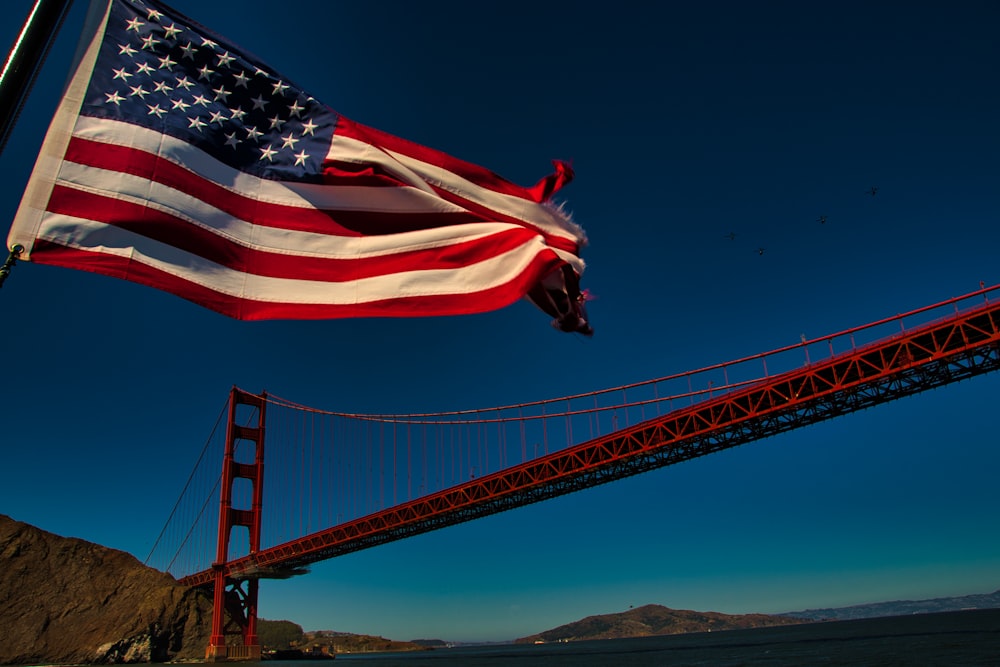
180 161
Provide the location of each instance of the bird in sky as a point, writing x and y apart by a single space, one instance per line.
873 191
821 219
731 236
760 251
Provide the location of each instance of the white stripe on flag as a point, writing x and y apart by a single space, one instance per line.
97 237
140 191
306 195
540 216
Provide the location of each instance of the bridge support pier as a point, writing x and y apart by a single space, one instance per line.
234 612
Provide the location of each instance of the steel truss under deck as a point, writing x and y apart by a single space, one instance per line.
959 347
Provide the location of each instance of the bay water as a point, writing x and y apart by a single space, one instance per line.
953 639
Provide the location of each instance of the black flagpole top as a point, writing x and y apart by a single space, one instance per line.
15 252
26 58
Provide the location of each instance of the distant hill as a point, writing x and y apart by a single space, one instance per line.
329 641
900 608
652 620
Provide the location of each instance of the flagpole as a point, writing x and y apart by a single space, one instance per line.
25 59
15 252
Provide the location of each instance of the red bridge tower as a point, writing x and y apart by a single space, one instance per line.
235 600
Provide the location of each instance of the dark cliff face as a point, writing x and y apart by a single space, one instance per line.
64 600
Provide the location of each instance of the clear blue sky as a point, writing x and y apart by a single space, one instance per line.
684 123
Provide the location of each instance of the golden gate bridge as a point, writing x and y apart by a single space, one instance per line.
280 486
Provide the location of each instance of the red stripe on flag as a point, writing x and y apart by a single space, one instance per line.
246 309
143 164
479 175
194 239
482 177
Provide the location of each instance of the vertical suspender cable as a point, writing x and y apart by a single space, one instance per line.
484 446
301 480
370 475
524 438
625 406
569 423
395 430
441 459
313 467
501 441
423 436
545 433
381 465
326 435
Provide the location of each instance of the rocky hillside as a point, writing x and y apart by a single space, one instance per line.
64 600
652 620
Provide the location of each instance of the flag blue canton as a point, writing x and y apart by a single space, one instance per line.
162 71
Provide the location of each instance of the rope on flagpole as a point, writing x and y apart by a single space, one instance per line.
15 252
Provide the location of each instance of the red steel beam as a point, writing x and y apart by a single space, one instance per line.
960 346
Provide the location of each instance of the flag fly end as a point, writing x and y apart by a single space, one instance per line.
559 295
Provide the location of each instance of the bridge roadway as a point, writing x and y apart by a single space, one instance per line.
959 346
